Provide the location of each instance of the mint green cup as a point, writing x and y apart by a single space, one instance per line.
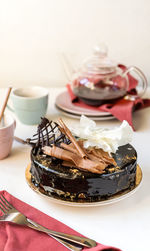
29 104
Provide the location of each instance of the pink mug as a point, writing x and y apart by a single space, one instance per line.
7 128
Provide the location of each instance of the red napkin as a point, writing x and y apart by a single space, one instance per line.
15 237
122 108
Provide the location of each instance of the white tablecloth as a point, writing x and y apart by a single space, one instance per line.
125 224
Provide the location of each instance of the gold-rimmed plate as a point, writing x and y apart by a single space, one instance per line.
115 198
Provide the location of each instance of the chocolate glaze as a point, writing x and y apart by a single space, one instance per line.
72 184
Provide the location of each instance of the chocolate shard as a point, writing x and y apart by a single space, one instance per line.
48 133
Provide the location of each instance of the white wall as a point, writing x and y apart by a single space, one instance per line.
34 32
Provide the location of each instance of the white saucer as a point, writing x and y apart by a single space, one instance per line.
64 103
75 116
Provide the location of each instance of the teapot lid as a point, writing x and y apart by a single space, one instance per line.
99 62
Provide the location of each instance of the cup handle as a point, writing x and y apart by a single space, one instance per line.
142 77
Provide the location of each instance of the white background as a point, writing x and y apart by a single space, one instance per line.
33 33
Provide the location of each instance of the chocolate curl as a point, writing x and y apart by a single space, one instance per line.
68 147
81 163
72 139
68 163
100 154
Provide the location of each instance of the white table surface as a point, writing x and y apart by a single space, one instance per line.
124 224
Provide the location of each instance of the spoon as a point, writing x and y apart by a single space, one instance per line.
5 103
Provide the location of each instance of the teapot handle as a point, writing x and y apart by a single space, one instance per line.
142 77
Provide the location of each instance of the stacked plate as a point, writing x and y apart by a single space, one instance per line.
66 107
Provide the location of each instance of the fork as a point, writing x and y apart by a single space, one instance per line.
10 213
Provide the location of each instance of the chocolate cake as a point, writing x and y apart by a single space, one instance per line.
61 170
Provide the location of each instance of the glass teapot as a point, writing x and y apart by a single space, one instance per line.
100 80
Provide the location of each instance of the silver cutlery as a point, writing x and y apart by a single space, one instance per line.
12 217
70 246
12 214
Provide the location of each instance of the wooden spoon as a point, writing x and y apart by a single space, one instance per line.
5 103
